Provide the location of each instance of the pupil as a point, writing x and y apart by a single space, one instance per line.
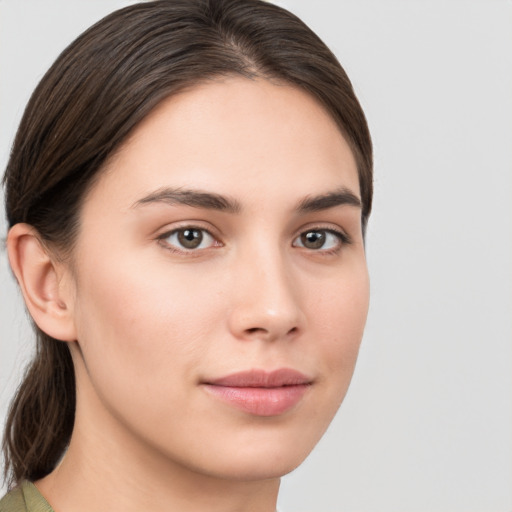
190 238
313 239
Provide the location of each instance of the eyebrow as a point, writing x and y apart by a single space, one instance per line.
213 201
342 196
194 198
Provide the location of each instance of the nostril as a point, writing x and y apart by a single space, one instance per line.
253 330
261 330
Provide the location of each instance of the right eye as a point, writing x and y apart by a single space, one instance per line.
188 239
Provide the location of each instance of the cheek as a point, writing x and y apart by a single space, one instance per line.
140 327
340 314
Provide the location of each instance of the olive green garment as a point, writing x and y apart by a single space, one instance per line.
25 498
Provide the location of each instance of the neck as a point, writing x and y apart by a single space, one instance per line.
90 489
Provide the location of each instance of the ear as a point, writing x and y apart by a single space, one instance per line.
44 282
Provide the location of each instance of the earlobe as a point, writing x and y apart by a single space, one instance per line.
42 282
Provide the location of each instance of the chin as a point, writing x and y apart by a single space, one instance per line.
261 454
259 467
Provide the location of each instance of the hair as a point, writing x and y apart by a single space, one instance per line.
100 87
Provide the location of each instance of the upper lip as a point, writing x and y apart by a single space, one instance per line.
262 379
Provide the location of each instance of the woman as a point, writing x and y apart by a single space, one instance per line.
187 197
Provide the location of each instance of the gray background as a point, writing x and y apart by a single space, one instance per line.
427 424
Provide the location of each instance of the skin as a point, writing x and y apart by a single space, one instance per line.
148 321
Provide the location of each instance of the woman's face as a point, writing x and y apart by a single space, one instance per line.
220 282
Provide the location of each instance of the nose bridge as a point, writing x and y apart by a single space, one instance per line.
267 298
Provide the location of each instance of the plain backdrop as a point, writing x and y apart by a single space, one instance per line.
427 423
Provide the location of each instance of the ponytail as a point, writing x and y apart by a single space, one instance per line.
41 415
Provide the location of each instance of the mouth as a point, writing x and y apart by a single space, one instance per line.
261 393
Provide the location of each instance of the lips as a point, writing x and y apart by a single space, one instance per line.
259 392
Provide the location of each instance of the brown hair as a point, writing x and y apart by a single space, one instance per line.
85 106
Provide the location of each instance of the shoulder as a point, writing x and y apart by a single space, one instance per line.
13 501
24 498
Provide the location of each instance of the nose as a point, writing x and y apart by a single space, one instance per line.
267 299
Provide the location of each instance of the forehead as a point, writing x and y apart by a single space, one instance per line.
250 139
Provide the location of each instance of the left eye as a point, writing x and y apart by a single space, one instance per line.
316 239
189 239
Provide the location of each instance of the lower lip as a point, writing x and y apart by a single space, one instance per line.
260 401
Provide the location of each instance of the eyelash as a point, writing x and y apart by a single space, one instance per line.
342 237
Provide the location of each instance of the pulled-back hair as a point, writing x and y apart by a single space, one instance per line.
86 105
